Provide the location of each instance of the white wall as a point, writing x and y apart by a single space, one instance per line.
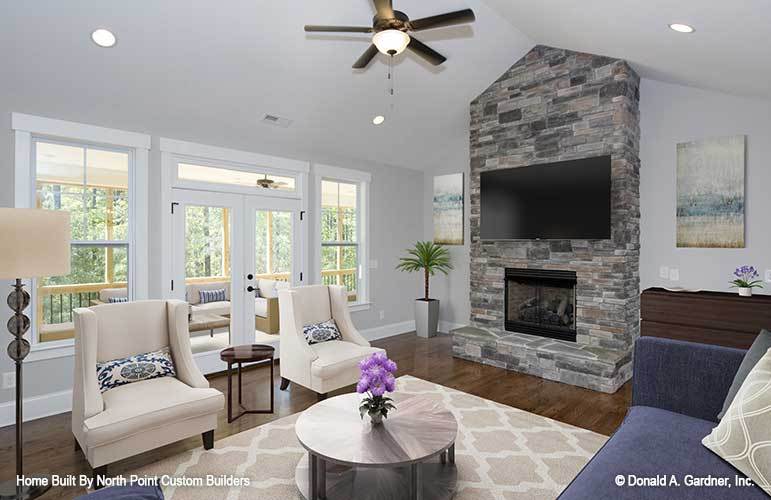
671 114
396 208
451 290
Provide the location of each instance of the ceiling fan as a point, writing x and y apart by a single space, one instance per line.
270 183
391 37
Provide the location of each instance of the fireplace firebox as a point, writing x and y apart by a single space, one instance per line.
541 302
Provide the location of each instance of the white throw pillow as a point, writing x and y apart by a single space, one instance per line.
743 436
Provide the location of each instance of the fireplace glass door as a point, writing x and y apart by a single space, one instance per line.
541 302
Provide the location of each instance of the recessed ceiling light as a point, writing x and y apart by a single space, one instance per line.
378 119
103 38
681 28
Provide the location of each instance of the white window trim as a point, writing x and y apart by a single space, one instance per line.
26 127
363 180
173 151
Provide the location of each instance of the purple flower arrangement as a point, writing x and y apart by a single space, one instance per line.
745 279
377 378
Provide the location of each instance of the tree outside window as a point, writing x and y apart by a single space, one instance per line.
339 235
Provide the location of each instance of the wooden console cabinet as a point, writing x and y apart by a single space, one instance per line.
707 317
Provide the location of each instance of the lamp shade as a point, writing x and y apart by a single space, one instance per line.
34 243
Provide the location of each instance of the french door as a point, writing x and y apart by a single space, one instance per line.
227 246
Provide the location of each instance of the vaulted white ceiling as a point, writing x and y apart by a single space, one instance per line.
208 71
730 51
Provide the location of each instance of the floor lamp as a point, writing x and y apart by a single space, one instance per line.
33 244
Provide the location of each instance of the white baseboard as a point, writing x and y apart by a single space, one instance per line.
60 402
448 326
381 332
37 407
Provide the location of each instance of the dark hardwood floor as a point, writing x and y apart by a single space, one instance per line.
49 446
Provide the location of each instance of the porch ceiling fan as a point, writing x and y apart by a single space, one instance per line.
391 35
267 183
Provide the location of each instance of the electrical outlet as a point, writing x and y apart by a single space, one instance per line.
674 274
9 380
664 272
382 314
768 275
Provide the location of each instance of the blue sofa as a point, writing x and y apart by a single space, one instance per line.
678 389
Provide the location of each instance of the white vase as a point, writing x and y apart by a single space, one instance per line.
745 291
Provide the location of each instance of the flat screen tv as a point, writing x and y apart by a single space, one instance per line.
562 200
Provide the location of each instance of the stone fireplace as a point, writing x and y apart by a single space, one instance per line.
556 105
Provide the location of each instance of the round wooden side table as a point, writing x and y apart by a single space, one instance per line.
411 455
238 355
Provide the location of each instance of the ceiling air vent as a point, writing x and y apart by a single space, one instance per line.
275 120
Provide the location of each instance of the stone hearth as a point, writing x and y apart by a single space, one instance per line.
555 105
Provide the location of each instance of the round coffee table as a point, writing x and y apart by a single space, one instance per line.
254 353
410 455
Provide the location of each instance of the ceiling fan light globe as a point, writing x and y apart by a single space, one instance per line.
391 42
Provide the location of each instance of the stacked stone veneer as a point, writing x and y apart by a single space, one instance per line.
554 105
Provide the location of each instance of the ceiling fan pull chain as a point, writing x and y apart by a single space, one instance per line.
391 74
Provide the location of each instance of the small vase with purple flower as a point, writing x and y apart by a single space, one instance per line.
377 379
746 278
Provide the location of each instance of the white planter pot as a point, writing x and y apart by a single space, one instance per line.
426 317
745 292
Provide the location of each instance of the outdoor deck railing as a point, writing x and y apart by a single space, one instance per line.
56 302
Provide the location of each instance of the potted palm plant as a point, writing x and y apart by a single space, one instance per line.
429 258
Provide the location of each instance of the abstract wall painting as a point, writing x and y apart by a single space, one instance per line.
448 209
710 193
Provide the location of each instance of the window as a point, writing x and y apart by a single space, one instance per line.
92 183
342 230
339 245
273 245
207 243
233 177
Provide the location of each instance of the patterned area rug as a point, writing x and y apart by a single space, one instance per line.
502 453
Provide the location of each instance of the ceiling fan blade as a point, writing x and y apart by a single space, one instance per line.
366 58
337 29
426 52
385 9
442 20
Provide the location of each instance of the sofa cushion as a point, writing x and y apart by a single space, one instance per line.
193 297
267 288
122 371
649 443
336 356
207 296
742 436
219 308
105 294
261 307
758 349
135 408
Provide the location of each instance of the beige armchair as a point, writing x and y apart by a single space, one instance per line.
137 417
322 367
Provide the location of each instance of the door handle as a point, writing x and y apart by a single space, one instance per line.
250 288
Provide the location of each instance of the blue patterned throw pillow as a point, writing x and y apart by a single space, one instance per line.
117 372
217 295
116 300
317 333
